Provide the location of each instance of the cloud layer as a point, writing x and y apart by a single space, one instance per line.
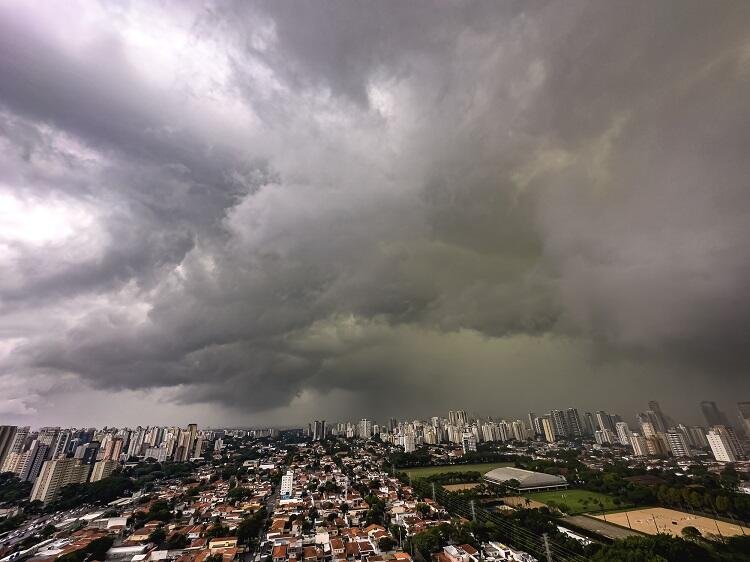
268 211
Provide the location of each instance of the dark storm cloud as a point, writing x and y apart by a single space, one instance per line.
276 203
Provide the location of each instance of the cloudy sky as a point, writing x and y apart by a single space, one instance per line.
268 212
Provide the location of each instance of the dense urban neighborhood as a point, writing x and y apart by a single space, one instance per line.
453 489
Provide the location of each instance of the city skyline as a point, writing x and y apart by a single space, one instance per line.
33 455
259 212
711 414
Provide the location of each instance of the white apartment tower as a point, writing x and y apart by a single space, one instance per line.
287 484
678 444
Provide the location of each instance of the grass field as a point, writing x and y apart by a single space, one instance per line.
576 500
424 471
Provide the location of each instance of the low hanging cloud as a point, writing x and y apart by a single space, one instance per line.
377 209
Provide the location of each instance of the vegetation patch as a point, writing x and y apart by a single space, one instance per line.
426 471
574 502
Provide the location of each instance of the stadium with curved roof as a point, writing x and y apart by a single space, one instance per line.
528 480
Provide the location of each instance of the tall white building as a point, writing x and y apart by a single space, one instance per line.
639 444
678 444
729 443
548 429
602 436
623 433
287 484
365 428
519 430
469 443
720 446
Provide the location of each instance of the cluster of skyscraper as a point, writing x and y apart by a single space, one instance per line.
53 457
659 434
569 424
457 428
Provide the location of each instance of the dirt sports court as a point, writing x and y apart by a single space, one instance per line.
673 522
517 501
460 487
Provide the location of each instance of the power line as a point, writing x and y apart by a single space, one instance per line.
521 535
517 532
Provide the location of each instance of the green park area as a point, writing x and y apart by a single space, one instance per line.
576 501
425 471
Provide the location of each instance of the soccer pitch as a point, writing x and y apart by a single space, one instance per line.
577 501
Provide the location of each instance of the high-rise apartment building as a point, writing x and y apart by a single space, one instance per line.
519 431
696 436
7 434
589 423
102 469
720 446
318 430
20 440
640 447
113 449
31 462
61 445
602 436
287 484
469 443
743 408
49 436
410 443
192 434
575 427
532 424
560 423
365 428
548 429
729 440
712 414
657 416
87 452
678 444
55 475
623 433
604 421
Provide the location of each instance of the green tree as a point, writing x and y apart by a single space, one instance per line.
157 536
657 548
386 544
691 533
722 504
176 541
217 530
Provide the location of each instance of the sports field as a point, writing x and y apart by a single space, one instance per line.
460 487
659 519
424 471
577 501
521 502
